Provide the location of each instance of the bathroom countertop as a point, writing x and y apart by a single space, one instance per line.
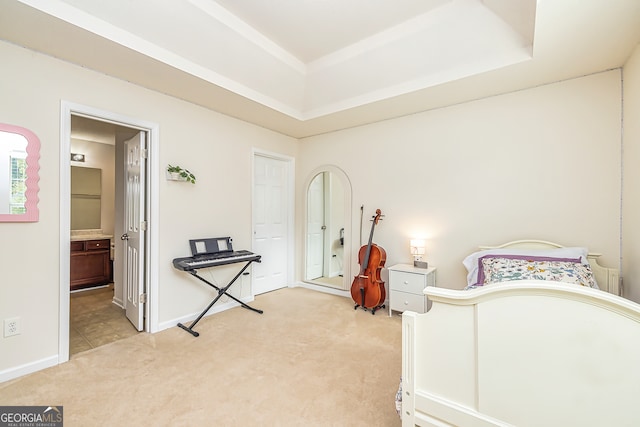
77 235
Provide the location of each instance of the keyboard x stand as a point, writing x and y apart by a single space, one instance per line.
221 291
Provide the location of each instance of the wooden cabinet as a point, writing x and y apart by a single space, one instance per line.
90 263
406 286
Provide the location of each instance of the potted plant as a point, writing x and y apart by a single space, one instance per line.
179 174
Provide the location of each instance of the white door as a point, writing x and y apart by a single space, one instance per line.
270 223
315 228
134 228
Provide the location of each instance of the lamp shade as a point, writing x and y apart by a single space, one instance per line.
417 247
417 250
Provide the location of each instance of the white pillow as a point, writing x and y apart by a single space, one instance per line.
471 261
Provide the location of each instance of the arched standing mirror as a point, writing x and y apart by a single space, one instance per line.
19 154
328 218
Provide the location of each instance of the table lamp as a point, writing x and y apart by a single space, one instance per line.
417 250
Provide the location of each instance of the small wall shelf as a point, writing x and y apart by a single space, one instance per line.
177 173
175 176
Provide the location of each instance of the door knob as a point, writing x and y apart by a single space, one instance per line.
125 236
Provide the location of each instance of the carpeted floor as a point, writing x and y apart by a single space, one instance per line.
309 360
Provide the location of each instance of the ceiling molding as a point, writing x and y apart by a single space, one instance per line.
221 14
445 52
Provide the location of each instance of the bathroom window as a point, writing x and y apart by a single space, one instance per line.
17 196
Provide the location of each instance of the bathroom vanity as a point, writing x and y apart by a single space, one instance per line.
90 260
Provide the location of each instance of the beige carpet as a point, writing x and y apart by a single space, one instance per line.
309 360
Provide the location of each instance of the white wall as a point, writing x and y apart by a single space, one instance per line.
631 198
218 149
542 163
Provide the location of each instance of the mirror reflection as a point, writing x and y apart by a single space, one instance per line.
13 161
325 231
19 153
86 198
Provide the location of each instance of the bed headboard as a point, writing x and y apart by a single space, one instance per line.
608 279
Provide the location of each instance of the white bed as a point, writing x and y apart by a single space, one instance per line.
525 353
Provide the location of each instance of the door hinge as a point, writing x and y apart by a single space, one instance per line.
143 225
144 153
143 298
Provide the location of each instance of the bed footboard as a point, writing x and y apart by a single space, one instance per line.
526 354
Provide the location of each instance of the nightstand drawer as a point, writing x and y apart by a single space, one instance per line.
403 301
406 287
407 282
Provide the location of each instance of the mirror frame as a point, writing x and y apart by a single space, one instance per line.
346 183
33 155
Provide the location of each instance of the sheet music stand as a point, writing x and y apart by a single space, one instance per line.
221 291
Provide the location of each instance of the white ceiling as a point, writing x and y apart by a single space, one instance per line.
311 29
304 67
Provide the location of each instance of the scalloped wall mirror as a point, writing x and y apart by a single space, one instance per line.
19 154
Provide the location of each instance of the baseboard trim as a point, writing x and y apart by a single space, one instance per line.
28 368
325 289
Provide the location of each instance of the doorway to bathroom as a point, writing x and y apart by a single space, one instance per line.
98 308
107 271
97 314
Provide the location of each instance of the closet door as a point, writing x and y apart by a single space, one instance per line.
270 223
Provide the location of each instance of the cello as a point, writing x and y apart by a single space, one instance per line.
367 289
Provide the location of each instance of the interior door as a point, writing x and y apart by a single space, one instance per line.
270 223
315 228
134 226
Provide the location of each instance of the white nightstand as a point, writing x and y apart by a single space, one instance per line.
406 284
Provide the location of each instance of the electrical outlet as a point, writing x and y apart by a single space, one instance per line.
11 327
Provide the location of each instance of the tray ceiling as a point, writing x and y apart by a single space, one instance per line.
303 67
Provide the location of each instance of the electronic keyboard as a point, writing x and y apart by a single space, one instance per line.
214 260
